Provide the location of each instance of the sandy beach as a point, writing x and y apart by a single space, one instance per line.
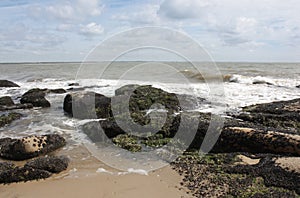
82 179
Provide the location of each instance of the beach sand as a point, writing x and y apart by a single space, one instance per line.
81 179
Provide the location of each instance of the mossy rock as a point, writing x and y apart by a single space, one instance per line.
9 118
127 142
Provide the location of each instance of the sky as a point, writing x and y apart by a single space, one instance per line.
229 30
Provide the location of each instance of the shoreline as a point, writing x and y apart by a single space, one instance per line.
81 179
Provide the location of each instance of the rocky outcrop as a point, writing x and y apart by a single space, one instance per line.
283 115
36 97
9 118
6 83
87 105
241 139
36 169
29 147
6 101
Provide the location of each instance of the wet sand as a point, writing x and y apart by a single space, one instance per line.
82 180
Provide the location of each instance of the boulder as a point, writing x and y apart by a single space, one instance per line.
56 91
29 147
52 164
6 83
22 174
73 84
36 97
9 118
87 105
298 86
6 101
39 168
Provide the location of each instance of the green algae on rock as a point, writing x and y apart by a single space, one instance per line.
9 118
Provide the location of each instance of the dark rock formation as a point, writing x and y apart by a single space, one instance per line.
87 105
6 83
6 101
73 84
29 147
9 118
280 115
56 91
20 174
36 169
239 139
52 164
16 106
298 86
36 97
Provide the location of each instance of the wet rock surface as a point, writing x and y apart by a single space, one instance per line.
35 169
87 105
284 115
29 147
6 101
6 83
36 97
9 118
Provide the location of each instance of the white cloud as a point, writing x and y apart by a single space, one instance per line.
67 10
182 9
61 12
141 15
91 29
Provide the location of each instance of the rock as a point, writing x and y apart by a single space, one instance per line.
281 115
56 91
5 166
22 174
127 142
36 97
73 84
241 139
29 147
17 106
36 169
261 83
6 83
6 101
9 118
126 90
87 105
298 86
52 164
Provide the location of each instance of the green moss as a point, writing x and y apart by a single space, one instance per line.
127 142
9 118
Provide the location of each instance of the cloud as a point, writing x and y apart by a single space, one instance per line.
91 29
67 11
182 9
140 15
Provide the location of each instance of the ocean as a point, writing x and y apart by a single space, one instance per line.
244 84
